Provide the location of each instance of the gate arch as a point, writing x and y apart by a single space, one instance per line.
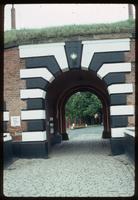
81 81
102 61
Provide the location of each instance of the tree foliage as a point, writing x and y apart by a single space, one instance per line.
82 105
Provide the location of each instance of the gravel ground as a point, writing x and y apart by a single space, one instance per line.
80 167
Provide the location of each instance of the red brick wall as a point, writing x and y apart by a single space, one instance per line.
12 86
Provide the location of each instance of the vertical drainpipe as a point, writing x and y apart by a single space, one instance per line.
13 20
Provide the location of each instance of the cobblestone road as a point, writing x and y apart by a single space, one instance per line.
80 167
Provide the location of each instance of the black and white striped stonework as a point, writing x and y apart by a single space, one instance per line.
45 62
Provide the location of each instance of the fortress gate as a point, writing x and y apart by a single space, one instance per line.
48 74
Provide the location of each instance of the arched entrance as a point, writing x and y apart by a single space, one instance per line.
59 91
54 71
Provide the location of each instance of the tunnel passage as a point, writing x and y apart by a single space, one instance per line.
63 87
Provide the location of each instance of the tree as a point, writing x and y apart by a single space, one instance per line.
81 106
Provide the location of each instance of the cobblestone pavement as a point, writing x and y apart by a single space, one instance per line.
80 167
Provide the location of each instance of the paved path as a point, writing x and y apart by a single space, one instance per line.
81 167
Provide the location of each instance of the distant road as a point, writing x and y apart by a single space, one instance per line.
83 133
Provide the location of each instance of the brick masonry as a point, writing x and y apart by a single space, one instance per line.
130 78
12 86
13 83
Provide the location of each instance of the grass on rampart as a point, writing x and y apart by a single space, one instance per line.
26 36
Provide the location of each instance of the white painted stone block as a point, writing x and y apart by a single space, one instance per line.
6 116
113 67
37 50
7 137
120 88
34 136
32 93
37 72
118 132
122 110
91 47
33 114
130 131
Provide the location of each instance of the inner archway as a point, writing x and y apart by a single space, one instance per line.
59 91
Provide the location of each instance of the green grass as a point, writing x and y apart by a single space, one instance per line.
26 36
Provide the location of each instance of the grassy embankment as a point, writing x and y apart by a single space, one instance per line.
30 36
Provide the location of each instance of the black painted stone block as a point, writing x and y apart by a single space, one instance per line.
112 78
7 153
73 48
99 58
56 139
36 83
4 126
35 103
16 146
36 125
48 62
38 149
117 146
118 99
119 121
130 147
